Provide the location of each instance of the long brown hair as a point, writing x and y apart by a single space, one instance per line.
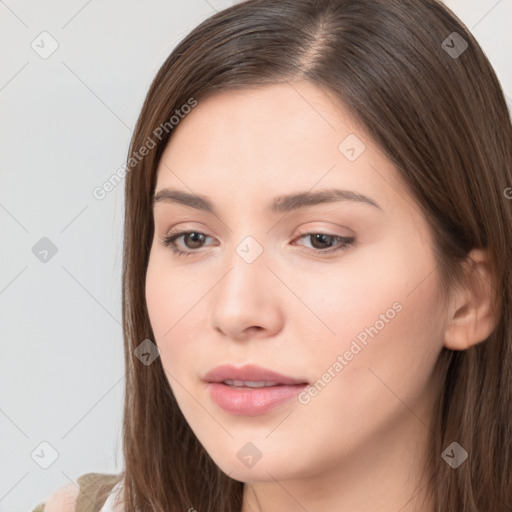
437 111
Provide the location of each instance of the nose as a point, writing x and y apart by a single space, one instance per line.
246 301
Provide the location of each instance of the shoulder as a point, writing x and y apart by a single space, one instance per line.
63 499
90 492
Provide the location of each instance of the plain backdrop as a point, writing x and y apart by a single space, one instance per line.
66 121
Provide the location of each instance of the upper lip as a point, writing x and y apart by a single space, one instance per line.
249 372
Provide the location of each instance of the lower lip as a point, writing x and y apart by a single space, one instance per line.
251 401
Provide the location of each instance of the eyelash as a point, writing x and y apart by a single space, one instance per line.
170 241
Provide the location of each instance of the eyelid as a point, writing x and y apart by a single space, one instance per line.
325 230
302 232
176 234
342 243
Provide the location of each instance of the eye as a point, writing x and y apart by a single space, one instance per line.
193 240
319 241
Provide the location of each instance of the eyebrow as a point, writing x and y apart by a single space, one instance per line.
281 204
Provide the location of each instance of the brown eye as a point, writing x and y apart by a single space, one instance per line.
321 243
321 240
194 238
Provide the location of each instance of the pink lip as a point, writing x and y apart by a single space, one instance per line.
249 372
245 401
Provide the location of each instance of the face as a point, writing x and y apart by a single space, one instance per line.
336 291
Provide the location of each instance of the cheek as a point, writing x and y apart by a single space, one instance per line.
169 293
159 299
386 316
359 298
173 299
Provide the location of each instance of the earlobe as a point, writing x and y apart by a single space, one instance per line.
471 316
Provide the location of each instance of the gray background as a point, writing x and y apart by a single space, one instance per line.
65 126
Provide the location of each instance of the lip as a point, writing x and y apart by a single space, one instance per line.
249 372
245 401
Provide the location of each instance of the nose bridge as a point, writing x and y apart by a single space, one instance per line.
249 250
247 265
243 298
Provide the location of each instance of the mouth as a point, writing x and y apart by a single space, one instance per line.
240 384
250 390
250 375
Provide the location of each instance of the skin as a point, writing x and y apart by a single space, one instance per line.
360 443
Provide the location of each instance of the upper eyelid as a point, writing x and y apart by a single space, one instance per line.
179 234
310 231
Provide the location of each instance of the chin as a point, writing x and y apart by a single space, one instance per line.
259 468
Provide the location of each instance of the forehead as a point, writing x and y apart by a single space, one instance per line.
288 115
273 140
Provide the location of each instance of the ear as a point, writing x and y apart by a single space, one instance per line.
470 316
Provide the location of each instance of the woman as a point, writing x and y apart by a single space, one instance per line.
317 288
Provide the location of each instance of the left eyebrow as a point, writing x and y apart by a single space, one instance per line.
280 204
